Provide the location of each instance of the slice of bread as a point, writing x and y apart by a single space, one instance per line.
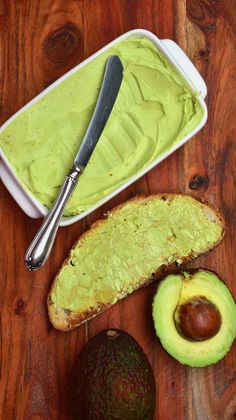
136 243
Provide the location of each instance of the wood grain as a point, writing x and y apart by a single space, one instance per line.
39 41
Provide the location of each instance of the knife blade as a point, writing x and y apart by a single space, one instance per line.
106 99
40 247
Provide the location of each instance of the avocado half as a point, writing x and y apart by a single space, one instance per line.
184 293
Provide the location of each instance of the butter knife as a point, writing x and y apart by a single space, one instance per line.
40 247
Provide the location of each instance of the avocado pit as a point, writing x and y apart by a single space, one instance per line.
197 319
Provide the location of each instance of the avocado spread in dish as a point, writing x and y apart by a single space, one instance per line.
154 110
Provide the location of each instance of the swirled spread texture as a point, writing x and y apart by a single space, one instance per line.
154 110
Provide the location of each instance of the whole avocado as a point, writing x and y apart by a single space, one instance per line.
113 379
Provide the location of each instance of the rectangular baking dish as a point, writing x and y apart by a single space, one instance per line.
29 204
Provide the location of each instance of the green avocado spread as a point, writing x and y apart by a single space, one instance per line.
114 257
154 110
176 289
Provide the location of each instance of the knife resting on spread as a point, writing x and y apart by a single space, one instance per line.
39 249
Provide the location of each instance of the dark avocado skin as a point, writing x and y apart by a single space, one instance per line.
113 379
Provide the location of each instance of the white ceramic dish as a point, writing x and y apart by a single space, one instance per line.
29 204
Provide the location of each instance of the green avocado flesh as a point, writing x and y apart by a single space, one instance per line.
113 380
154 110
176 289
116 256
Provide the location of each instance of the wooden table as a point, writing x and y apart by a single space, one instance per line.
40 41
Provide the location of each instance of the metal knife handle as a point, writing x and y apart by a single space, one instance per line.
39 249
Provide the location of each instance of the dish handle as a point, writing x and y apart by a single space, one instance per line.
186 65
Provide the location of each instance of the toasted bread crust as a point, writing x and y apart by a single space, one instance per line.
66 320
